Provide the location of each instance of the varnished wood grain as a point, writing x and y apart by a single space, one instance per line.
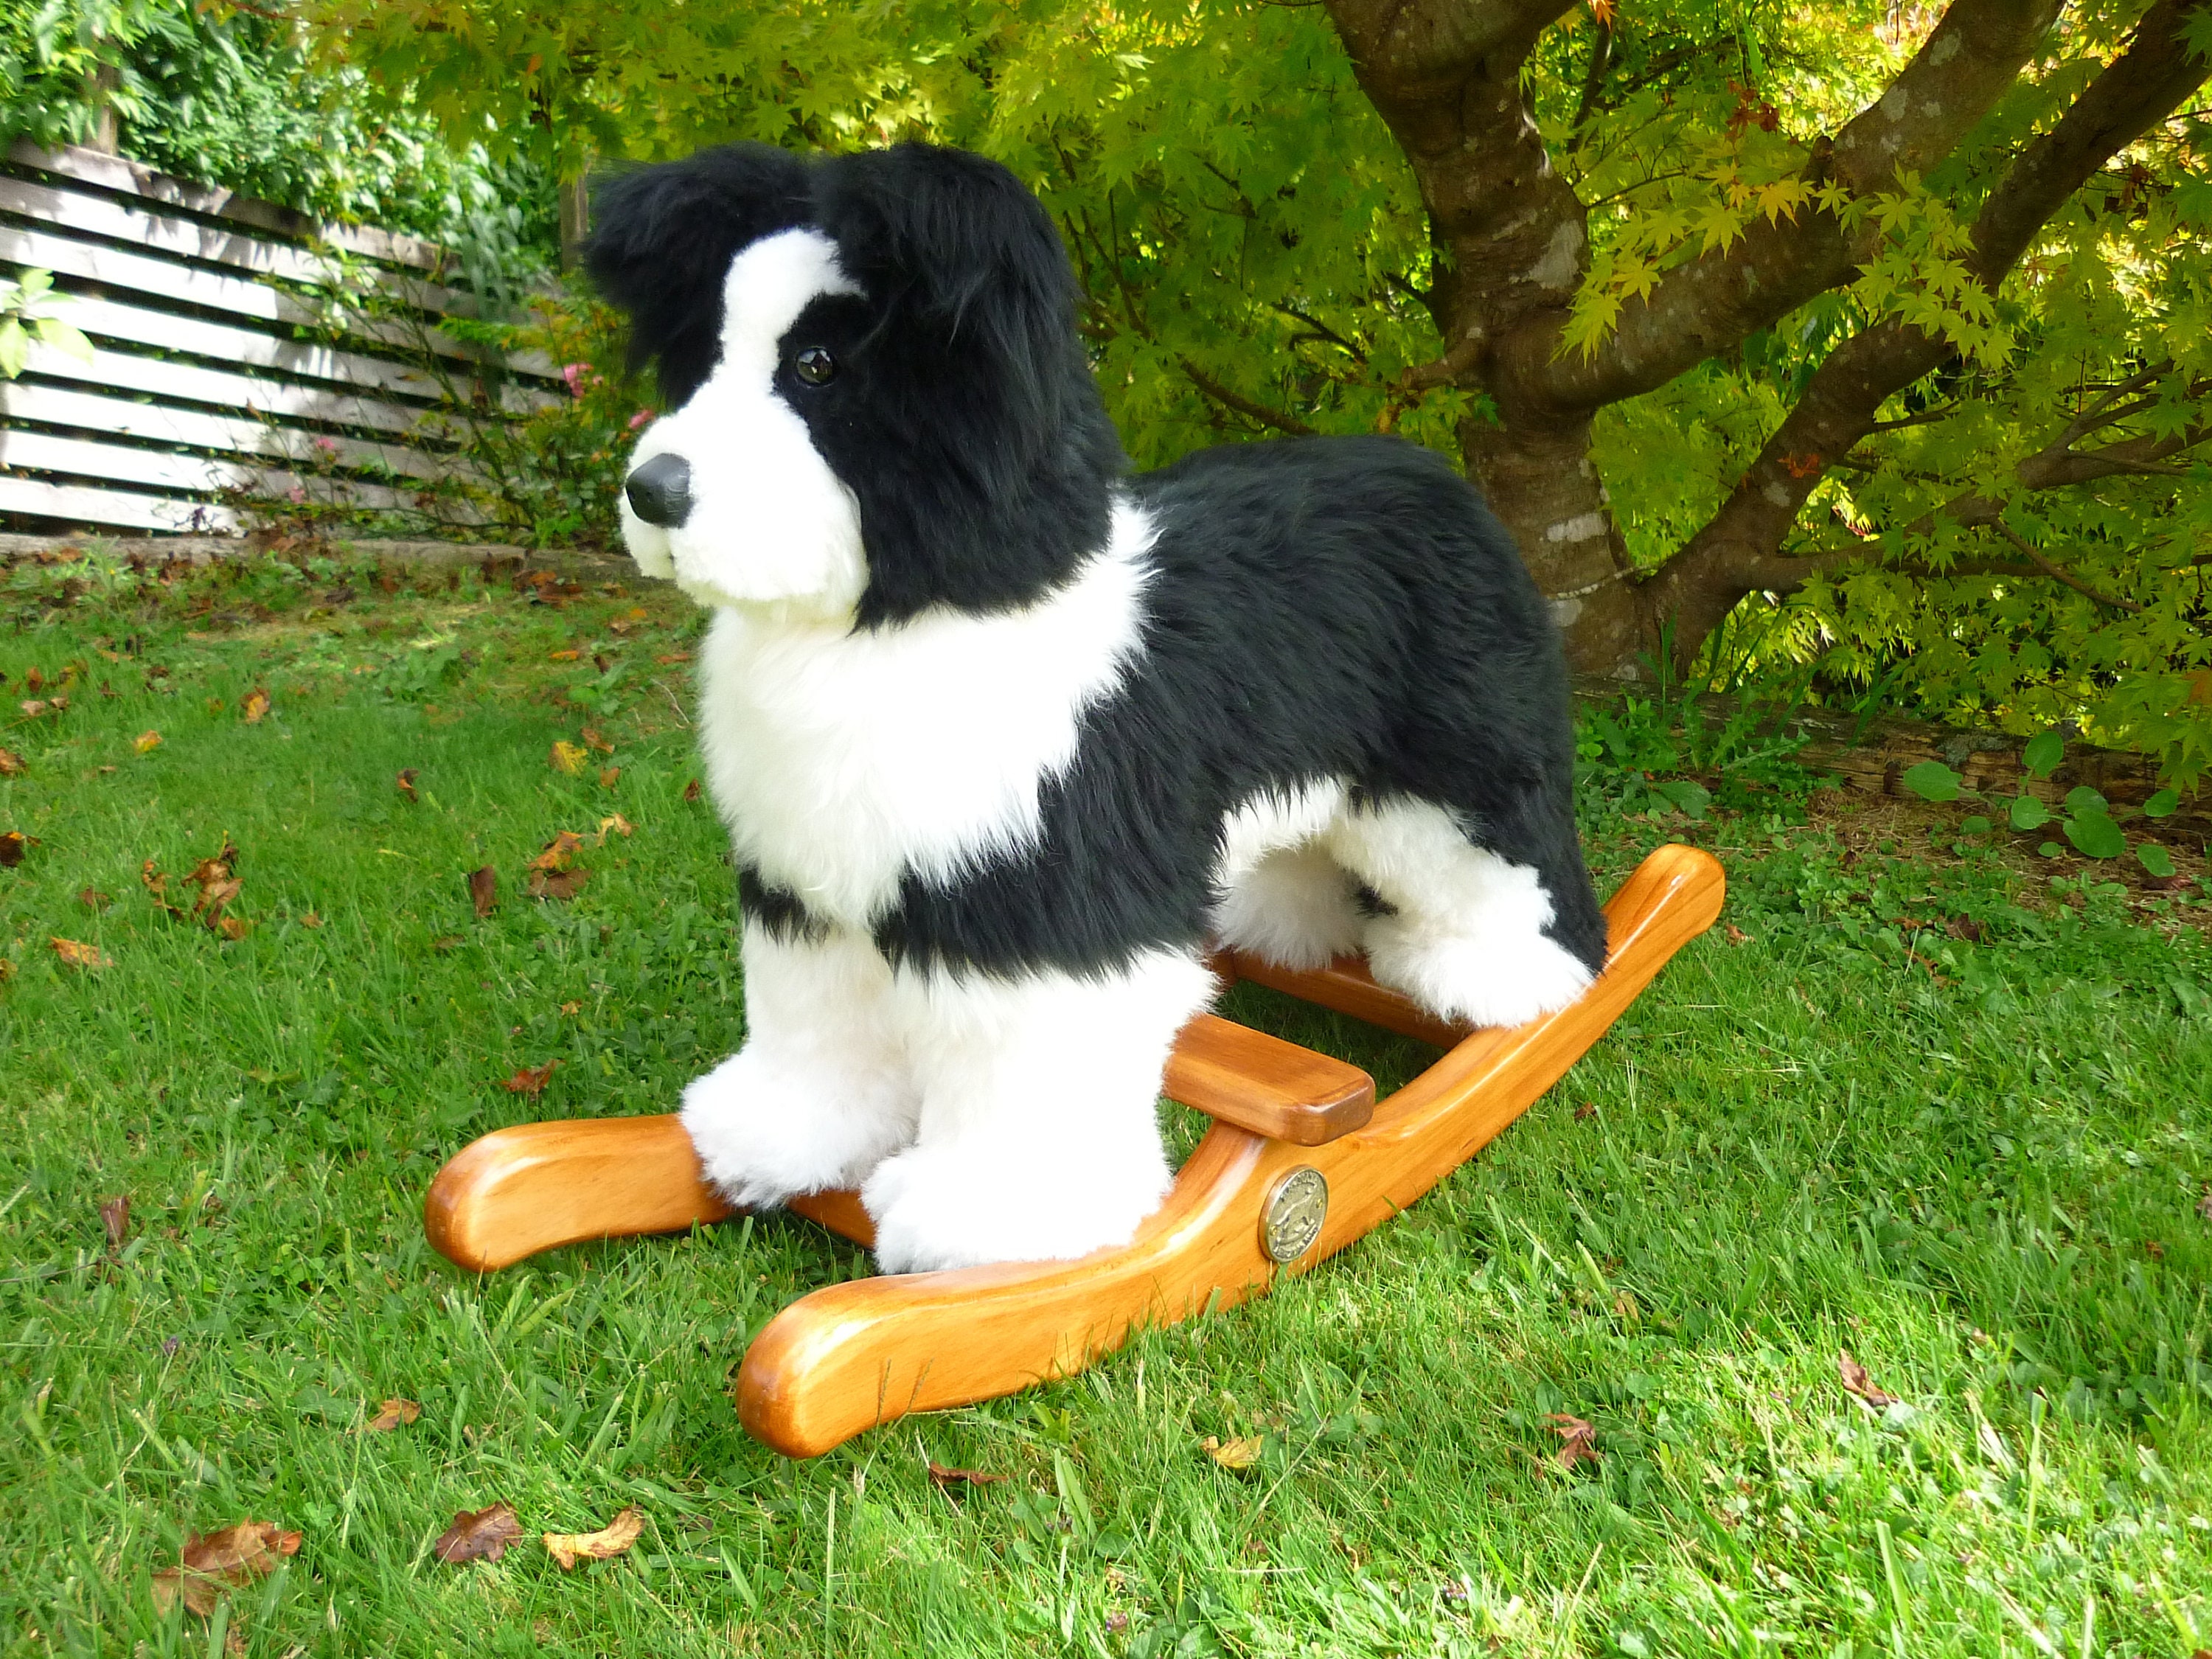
853 1355
538 1186
1345 986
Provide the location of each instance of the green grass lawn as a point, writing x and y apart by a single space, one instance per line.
1979 1167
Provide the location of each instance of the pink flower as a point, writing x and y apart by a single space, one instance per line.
640 418
328 445
573 374
296 495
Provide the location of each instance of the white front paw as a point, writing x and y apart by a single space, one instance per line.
1489 981
765 1133
963 1206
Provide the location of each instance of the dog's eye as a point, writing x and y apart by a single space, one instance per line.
815 365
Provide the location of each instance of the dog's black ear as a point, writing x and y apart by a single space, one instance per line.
662 241
984 464
956 247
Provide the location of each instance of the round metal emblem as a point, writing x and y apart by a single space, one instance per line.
1291 1221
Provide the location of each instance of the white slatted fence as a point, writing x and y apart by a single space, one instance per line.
239 347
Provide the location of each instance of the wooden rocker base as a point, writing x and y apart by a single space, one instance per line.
854 1355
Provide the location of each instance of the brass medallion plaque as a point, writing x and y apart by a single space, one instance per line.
1295 1210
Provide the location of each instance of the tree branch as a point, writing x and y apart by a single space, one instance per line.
1970 59
2059 572
1243 405
1718 564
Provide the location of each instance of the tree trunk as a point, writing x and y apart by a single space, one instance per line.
575 219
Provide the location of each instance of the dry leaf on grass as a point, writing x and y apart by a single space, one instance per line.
530 1079
1735 935
32 707
115 1218
255 706
567 756
483 890
691 790
616 822
1238 1454
1856 1381
93 899
147 742
11 849
392 1414
595 739
405 783
1577 1440
557 884
611 1541
75 954
11 764
558 853
311 920
563 656
447 942
668 657
478 1535
1586 1109
7 970
944 1475
607 776
221 1562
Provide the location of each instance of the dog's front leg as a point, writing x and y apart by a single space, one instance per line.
820 1093
1039 1136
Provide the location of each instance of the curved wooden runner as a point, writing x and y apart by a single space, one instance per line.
853 1355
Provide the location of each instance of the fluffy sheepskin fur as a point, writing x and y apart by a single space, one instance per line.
1003 733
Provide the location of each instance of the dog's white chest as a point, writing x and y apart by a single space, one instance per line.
842 760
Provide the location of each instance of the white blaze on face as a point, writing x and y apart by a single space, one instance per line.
770 524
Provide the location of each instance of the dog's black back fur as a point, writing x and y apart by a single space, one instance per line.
1327 608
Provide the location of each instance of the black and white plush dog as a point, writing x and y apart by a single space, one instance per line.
1003 734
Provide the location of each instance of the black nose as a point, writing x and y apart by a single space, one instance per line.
660 491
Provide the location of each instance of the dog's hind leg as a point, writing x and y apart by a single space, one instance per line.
1039 1138
1482 923
820 1093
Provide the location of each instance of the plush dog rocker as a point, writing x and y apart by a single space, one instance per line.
1005 734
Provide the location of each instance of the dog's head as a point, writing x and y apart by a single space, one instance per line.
878 401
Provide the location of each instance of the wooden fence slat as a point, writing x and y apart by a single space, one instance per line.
120 371
241 434
46 451
119 509
119 173
240 296
110 320
89 214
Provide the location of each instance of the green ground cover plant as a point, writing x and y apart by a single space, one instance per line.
1914 1100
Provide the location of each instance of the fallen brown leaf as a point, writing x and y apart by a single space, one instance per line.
567 756
93 899
77 955
1241 1453
564 656
157 887
147 742
11 849
478 1535
483 890
11 764
32 707
530 1079
1577 1440
615 822
115 1218
611 1541
558 853
229 927
34 679
1856 1381
1586 1109
255 706
594 738
557 884
607 776
1964 927
944 1476
405 781
668 657
691 790
447 942
221 1562
1735 935
392 1414
7 970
